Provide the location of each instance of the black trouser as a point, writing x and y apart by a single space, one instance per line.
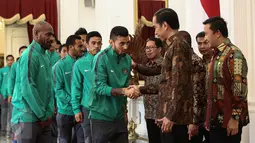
106 131
179 134
54 129
66 124
219 135
153 131
202 134
86 126
32 133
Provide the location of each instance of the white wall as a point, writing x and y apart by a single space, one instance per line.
102 18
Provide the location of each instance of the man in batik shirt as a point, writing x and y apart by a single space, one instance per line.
150 89
175 105
227 109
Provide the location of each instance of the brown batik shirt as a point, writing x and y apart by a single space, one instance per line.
150 90
176 91
199 96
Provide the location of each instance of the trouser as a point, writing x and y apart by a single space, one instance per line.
9 117
4 115
32 133
153 131
66 123
54 129
202 134
109 131
86 126
219 135
179 134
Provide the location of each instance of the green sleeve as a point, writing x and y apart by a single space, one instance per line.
77 87
50 107
60 92
11 79
28 73
100 77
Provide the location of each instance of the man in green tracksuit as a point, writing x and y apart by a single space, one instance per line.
63 76
4 98
110 80
11 84
12 75
81 80
33 102
51 52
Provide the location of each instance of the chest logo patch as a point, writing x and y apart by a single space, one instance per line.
124 70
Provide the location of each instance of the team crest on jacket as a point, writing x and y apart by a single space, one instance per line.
124 70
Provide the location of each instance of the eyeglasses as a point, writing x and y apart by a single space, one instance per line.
150 47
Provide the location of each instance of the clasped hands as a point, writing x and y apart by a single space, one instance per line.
132 91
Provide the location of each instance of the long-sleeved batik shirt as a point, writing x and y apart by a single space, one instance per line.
198 84
176 91
227 86
150 90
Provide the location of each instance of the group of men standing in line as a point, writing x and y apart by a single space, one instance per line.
185 97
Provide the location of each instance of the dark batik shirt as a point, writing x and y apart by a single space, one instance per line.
151 93
176 91
198 79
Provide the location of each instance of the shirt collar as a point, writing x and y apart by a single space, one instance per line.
222 46
37 47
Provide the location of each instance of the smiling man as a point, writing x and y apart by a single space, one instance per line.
175 89
227 108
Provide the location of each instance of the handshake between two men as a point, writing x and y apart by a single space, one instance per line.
132 91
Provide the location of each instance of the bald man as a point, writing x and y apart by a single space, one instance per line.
33 106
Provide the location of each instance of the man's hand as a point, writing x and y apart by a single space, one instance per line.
9 99
192 130
46 123
78 117
131 92
232 128
137 90
167 125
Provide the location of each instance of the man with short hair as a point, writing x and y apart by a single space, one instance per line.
33 103
12 75
51 52
207 53
176 88
63 50
4 74
81 83
111 68
63 75
150 89
227 108
57 46
11 86
82 32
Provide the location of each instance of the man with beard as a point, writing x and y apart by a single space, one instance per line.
51 52
82 32
33 105
110 80
62 75
81 80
